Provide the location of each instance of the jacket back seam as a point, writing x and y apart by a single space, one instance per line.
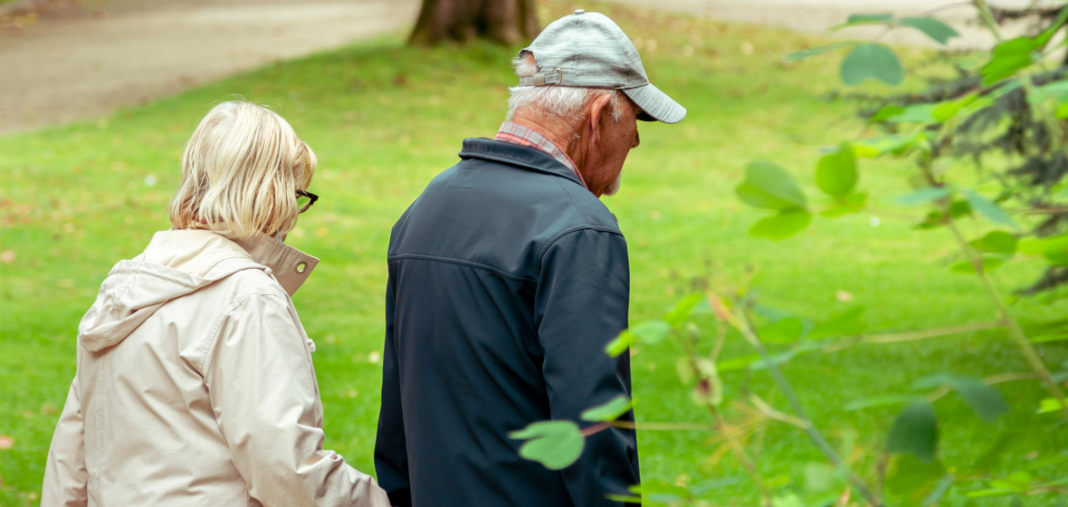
461 262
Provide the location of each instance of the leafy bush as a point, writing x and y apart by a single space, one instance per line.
1009 113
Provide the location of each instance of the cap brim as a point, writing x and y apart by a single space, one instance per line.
655 104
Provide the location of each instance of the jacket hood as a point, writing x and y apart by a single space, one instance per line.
177 263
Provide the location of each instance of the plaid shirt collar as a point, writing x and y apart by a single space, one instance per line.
515 133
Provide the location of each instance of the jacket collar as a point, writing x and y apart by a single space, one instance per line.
524 157
289 266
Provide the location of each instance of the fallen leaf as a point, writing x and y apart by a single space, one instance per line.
6 442
374 357
7 257
843 296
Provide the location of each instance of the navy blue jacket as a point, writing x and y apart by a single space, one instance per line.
507 278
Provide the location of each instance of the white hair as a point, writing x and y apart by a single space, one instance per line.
563 101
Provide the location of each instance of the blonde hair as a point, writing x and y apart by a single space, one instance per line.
240 172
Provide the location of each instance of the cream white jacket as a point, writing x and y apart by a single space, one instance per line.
195 386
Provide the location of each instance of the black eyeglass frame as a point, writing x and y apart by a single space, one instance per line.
309 195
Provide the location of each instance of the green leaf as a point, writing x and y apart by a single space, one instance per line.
916 113
996 242
986 401
768 186
1054 336
874 401
784 331
1009 57
1056 90
924 196
848 323
865 19
934 380
872 61
737 363
876 146
915 432
836 173
887 112
990 209
1018 482
1054 249
1050 405
554 444
779 227
682 311
819 50
931 27
621 344
1044 37
610 411
946 110
705 487
656 491
967 267
651 332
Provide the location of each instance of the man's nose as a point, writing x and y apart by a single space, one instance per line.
637 140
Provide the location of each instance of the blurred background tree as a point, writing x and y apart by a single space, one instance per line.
503 21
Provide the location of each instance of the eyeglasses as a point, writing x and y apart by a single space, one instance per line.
305 200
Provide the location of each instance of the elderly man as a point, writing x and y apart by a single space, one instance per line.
507 278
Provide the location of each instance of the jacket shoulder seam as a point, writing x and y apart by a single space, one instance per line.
213 334
585 219
570 230
462 262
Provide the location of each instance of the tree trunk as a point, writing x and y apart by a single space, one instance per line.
507 22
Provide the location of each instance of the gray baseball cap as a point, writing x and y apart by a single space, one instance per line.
586 49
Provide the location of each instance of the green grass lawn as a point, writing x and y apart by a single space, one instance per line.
384 119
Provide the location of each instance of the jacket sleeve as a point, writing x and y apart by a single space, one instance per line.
264 394
391 450
581 305
65 476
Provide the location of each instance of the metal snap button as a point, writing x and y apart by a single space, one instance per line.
268 271
580 11
302 267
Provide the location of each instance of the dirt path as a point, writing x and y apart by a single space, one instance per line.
83 62
94 56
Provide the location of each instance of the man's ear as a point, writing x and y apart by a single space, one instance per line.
596 108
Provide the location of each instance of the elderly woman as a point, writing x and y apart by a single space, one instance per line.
195 383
